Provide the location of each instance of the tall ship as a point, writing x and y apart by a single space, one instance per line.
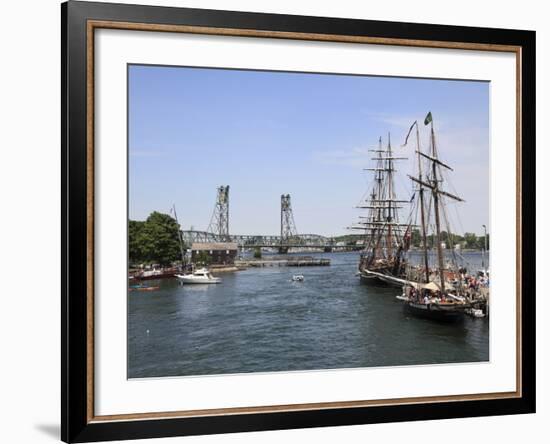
385 239
439 292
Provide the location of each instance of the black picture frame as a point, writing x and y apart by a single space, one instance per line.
76 423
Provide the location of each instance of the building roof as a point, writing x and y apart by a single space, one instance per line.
207 246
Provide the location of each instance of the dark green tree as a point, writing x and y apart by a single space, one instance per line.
471 240
416 238
135 250
155 240
481 242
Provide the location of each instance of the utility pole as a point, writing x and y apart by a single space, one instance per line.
485 247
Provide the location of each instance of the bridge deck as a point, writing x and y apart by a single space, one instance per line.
266 241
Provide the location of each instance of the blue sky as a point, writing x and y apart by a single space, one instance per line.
269 133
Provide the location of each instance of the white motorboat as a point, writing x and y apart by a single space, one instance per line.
475 312
151 273
298 278
200 276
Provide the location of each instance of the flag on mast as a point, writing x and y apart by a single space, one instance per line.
428 118
408 134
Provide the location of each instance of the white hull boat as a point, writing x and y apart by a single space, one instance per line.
201 276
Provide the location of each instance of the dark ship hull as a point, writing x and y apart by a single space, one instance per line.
380 279
435 312
387 273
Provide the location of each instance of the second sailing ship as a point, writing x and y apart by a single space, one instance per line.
441 292
386 240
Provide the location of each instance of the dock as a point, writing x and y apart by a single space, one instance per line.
283 262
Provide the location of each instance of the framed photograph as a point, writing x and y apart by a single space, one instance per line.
275 221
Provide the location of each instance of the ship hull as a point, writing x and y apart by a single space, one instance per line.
386 280
434 312
382 276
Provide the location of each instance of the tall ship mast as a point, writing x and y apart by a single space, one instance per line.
180 239
439 292
386 240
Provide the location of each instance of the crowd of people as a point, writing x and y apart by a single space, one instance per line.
427 296
471 283
476 282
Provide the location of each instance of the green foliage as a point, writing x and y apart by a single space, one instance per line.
481 242
416 238
135 243
468 241
154 240
257 253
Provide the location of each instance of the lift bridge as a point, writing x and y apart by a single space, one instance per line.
218 230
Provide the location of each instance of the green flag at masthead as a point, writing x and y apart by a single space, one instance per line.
428 118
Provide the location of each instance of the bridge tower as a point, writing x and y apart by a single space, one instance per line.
288 226
219 223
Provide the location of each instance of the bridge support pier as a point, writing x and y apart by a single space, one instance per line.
283 250
328 249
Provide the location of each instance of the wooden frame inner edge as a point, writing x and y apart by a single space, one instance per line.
90 260
90 28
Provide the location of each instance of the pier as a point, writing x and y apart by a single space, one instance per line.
303 261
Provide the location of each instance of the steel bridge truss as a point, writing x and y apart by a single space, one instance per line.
254 241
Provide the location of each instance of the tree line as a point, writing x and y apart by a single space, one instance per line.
467 240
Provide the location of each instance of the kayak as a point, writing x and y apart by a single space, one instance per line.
142 287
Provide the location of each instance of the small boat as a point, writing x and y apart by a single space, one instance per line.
151 274
143 287
298 278
475 312
200 276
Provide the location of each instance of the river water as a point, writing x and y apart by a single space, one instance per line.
258 320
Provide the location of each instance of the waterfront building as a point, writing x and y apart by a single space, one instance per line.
218 253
